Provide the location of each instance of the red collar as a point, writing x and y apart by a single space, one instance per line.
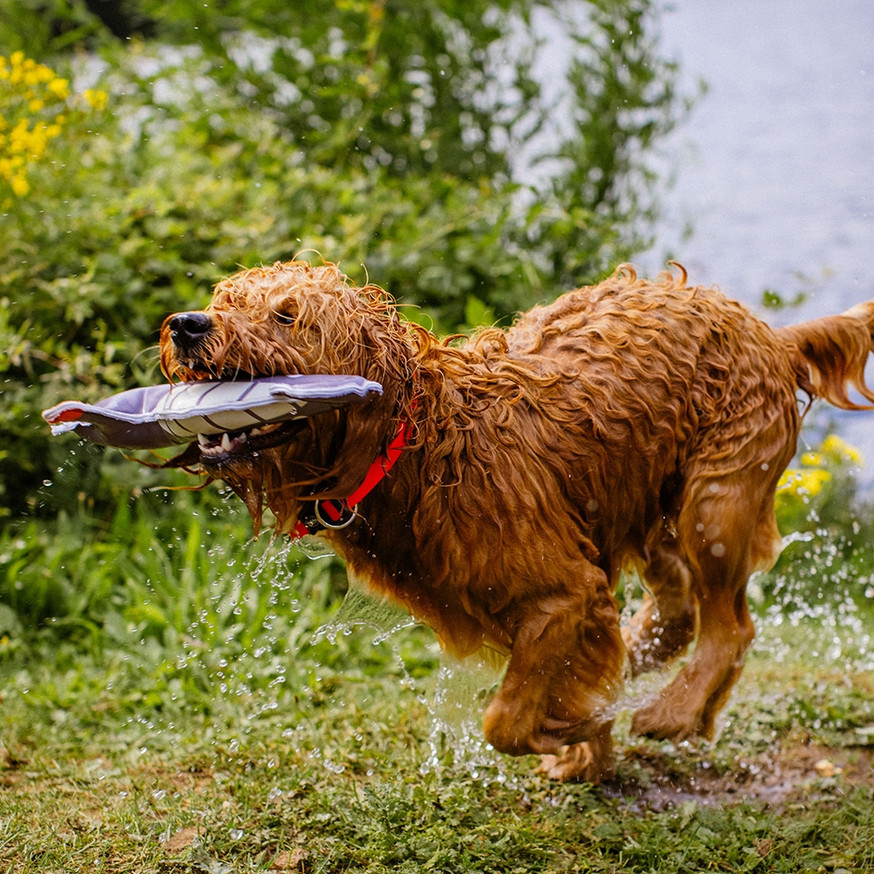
338 513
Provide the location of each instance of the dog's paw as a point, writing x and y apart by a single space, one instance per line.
660 722
577 762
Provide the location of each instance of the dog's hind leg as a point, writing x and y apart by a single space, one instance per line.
725 536
563 676
664 625
766 547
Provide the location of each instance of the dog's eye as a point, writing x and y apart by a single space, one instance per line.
284 318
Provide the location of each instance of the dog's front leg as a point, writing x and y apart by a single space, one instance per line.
589 762
563 675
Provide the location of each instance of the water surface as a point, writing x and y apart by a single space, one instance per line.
775 165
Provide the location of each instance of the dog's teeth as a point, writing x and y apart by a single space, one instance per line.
217 445
265 429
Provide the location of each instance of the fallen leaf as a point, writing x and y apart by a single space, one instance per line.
287 860
825 768
183 839
763 846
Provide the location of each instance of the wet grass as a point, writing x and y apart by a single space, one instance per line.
349 771
200 721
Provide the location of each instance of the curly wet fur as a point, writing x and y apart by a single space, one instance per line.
632 422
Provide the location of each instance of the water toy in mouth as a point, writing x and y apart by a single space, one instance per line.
163 415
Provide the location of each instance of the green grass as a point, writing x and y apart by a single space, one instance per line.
175 698
347 773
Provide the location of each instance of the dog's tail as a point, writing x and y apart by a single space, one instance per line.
832 353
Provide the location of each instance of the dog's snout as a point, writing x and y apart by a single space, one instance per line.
187 329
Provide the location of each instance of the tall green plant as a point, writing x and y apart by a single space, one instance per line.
380 135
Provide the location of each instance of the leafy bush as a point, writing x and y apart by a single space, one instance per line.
827 560
191 574
379 138
819 487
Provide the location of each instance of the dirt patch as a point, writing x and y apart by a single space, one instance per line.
650 777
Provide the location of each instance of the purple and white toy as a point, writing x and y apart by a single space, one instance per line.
164 415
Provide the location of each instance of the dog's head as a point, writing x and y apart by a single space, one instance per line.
294 318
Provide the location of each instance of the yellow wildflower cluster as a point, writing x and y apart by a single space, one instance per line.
33 111
804 482
808 480
836 450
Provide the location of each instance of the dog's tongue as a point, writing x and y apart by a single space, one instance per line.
162 415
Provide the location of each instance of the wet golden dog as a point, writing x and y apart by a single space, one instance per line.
632 423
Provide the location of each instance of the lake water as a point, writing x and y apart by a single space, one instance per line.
776 162
775 166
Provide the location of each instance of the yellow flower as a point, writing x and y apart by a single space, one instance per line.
60 88
804 483
787 481
816 480
34 105
812 459
18 138
20 185
95 99
839 450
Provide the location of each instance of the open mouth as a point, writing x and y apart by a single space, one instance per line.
196 370
225 448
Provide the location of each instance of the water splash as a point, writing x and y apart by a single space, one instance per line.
797 537
362 609
314 547
455 705
455 738
821 591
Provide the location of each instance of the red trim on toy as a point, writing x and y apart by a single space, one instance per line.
66 416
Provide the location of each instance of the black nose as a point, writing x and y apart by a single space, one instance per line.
188 329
